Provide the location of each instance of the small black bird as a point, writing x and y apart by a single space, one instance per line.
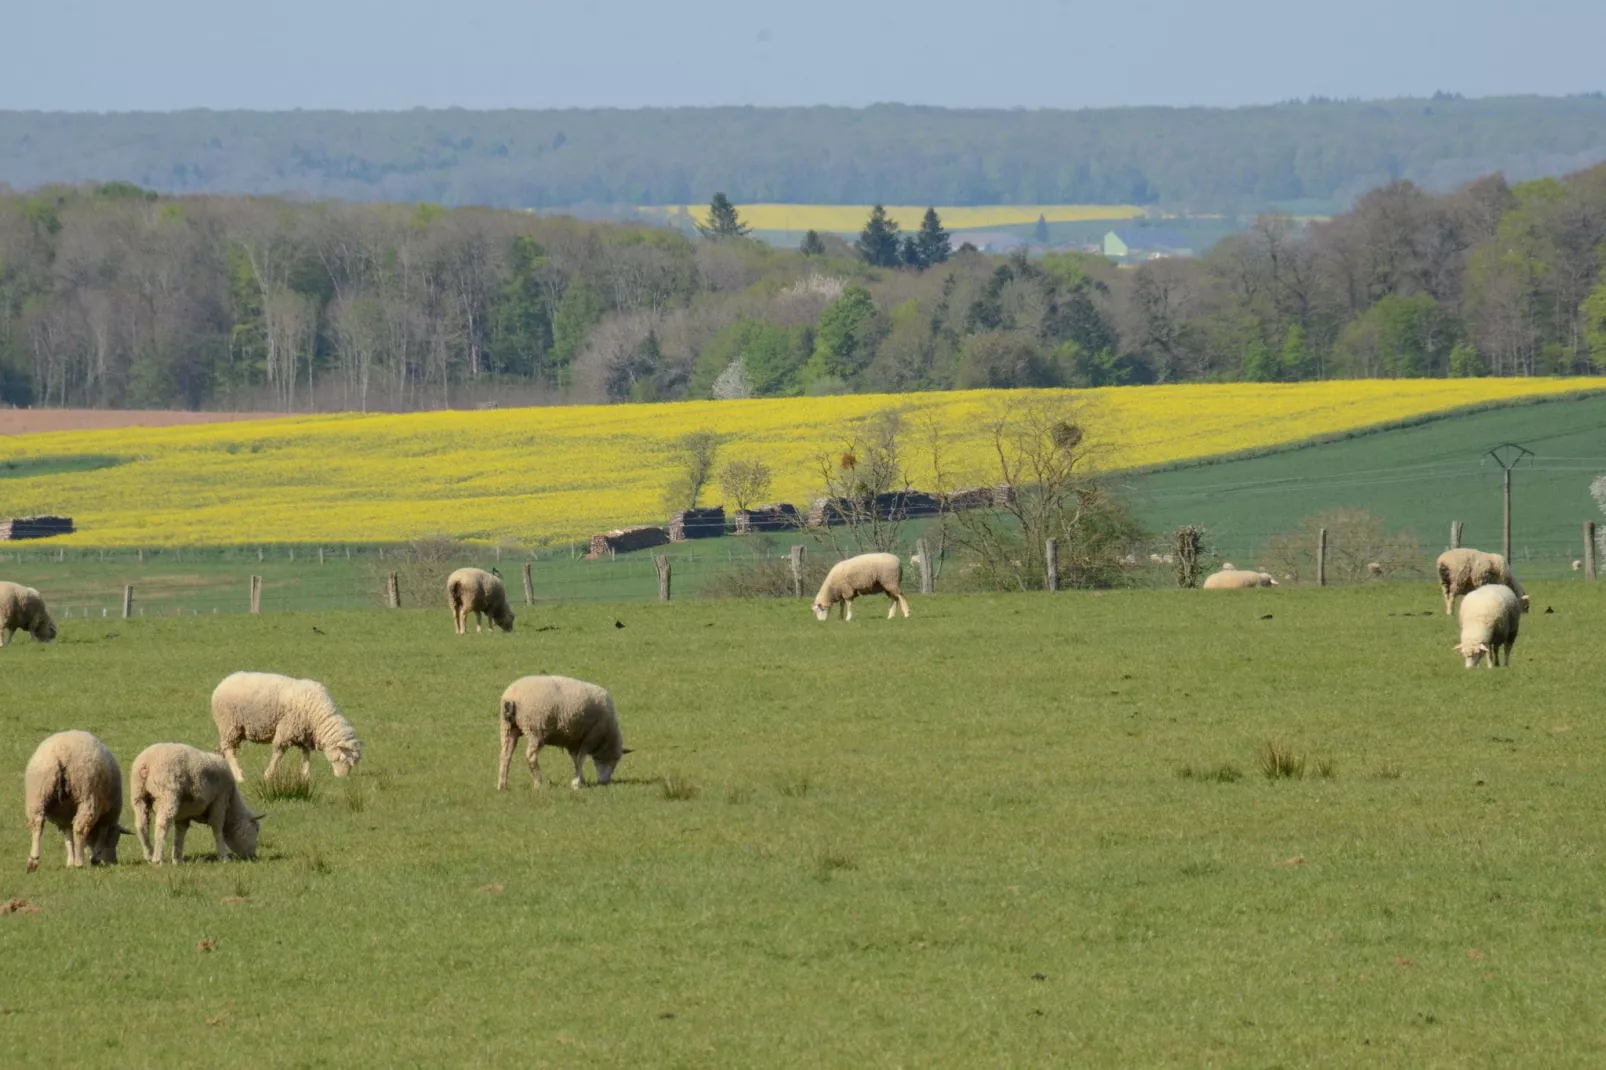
1550 609
1265 616
319 630
617 623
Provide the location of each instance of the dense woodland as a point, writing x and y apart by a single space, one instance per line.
115 296
1239 160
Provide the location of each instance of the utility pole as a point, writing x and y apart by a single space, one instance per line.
1508 455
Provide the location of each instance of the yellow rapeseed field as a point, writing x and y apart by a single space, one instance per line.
554 474
845 218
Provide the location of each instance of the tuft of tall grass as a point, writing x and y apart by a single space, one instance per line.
286 785
677 789
1224 773
1278 761
793 785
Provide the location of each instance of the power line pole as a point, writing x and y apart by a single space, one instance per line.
1508 455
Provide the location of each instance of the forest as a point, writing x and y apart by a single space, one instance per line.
591 162
117 296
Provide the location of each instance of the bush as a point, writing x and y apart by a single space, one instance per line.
1356 540
768 577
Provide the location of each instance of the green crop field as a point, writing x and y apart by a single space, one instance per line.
961 839
1418 478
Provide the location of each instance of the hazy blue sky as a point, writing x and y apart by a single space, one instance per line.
362 54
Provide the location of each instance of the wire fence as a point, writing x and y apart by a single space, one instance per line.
178 582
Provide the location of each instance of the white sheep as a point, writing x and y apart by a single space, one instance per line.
73 782
473 590
1489 619
1237 580
264 707
1228 566
179 784
1462 570
1577 565
562 712
22 609
1374 568
864 574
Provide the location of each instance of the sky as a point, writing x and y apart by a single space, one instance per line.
112 55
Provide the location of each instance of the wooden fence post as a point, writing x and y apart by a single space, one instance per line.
393 590
661 563
1321 558
1455 534
128 601
320 555
797 572
256 594
529 586
142 556
1589 549
1051 566
922 551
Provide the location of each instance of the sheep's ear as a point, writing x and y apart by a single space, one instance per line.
257 818
121 831
1484 647
624 751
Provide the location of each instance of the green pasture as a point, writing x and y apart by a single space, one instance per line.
961 839
1416 478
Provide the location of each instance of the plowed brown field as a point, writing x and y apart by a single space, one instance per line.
32 421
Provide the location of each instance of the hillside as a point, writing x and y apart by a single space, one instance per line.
1417 478
1201 159
537 476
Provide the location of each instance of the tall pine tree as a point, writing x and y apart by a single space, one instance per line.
878 242
722 222
932 241
813 244
1041 230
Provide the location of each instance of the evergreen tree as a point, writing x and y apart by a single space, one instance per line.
722 222
812 244
878 242
1041 233
910 252
932 241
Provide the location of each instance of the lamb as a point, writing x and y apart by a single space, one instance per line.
1489 619
1235 579
1577 564
563 712
183 784
1374 568
864 574
473 590
264 707
22 609
73 782
1463 570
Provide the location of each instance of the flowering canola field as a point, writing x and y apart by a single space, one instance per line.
847 218
554 474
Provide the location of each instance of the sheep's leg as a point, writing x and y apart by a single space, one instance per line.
273 762
478 619
1508 655
80 839
180 830
142 812
579 780
164 818
5 636
510 739
36 826
66 839
532 755
847 609
214 818
306 763
234 763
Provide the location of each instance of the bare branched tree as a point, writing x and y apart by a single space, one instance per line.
745 482
865 485
1048 487
692 456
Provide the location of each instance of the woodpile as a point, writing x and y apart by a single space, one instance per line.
35 527
619 540
781 516
697 524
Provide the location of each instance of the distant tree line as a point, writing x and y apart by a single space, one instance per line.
1202 159
115 296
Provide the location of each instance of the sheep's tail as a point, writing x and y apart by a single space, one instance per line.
510 710
455 589
1444 575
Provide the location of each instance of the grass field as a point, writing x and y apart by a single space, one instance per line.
1418 478
550 475
960 839
847 218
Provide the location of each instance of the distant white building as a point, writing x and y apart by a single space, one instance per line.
1145 243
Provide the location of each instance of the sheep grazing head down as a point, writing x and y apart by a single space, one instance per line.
821 612
45 630
1472 652
105 851
343 757
503 618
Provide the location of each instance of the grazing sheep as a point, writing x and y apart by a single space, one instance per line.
562 712
1489 619
264 707
1229 567
1463 570
865 574
1373 568
183 784
1577 565
74 783
473 590
22 609
1236 580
